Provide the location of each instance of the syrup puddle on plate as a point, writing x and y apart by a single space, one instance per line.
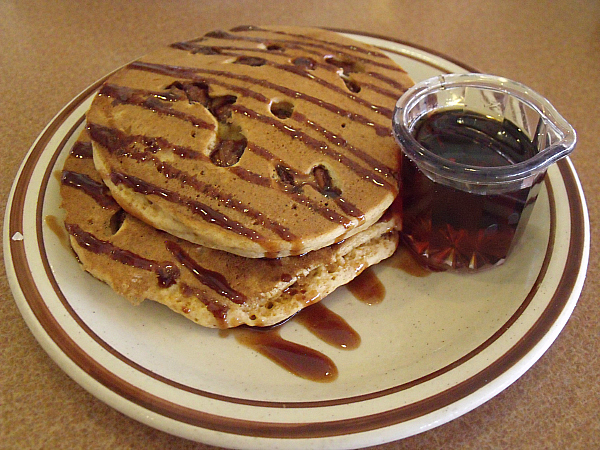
297 359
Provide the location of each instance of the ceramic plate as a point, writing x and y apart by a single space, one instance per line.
435 348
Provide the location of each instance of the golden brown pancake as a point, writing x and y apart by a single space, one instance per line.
269 141
211 287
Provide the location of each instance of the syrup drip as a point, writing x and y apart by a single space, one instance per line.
318 319
297 359
218 310
302 361
58 229
213 280
404 260
367 287
323 323
328 326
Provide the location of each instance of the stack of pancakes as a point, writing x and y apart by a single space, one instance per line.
239 177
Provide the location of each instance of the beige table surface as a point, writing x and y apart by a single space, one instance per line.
51 50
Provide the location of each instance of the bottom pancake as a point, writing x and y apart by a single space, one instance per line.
211 287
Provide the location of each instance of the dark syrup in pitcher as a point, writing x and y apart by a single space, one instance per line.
449 228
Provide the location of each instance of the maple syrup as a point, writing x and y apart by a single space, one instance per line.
446 227
476 148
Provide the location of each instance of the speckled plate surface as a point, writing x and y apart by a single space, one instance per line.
435 348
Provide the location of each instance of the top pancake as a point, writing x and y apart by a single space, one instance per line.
270 141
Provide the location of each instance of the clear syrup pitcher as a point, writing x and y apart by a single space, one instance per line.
475 150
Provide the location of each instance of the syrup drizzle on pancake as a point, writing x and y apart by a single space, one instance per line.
192 73
295 195
347 207
341 142
213 280
359 164
151 101
202 210
320 146
82 150
110 138
136 96
166 272
241 52
95 189
225 199
305 41
217 309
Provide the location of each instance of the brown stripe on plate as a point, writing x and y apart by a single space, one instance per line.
234 426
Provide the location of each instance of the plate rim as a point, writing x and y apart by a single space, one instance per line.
579 251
